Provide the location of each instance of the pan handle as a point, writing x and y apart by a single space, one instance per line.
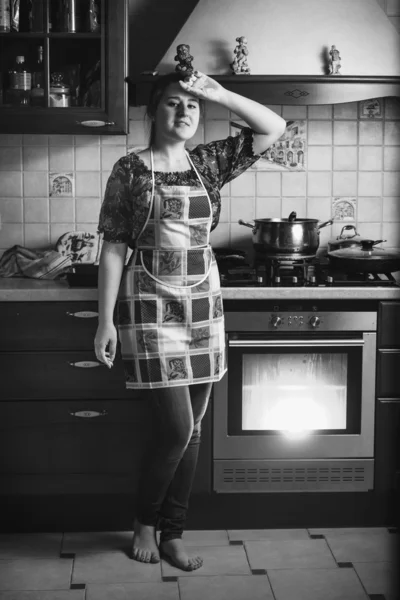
246 223
324 224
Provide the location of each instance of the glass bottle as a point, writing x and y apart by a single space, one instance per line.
20 82
5 19
37 91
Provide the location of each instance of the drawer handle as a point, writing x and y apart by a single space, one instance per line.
88 414
85 364
83 314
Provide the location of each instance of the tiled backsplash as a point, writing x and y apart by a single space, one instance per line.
347 157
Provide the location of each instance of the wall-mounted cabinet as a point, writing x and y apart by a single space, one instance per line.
57 73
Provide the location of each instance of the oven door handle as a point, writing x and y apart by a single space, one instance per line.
294 343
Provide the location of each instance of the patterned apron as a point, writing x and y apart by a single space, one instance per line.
170 315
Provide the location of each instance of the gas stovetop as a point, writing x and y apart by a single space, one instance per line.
306 272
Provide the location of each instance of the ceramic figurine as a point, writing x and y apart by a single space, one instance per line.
335 65
239 65
185 59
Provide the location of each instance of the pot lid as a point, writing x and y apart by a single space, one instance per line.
365 251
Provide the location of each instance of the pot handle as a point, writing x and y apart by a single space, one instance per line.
292 216
321 225
346 228
246 224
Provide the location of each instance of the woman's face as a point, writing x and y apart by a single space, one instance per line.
177 115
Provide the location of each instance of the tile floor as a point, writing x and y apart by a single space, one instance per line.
265 564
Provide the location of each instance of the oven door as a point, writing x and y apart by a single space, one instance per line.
296 397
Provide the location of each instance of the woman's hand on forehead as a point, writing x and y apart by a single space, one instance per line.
203 87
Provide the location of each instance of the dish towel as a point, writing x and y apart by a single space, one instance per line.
39 264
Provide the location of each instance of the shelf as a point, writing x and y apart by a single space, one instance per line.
38 34
291 89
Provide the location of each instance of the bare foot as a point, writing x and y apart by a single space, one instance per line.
144 547
174 552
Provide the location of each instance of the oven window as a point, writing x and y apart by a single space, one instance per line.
290 390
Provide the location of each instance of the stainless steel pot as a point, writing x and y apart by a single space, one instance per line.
291 237
350 241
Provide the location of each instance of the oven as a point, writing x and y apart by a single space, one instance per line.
295 411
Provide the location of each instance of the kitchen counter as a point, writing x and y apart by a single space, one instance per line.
19 289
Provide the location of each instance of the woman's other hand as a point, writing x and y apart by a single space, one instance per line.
203 87
106 335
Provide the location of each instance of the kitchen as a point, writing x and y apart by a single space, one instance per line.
350 171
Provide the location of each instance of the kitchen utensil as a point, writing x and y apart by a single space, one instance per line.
291 237
366 259
349 241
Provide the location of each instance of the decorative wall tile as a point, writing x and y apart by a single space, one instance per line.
61 185
371 132
345 158
319 158
369 209
344 209
11 210
370 158
36 158
288 153
345 133
36 210
319 183
293 184
320 132
371 109
347 110
369 184
10 158
61 158
344 183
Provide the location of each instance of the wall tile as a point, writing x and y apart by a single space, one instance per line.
392 133
294 112
293 184
104 178
90 227
36 158
216 111
11 210
36 235
391 183
110 155
88 160
392 109
198 137
10 183
320 132
242 208
220 237
35 140
372 231
319 208
268 208
62 210
391 158
320 111
138 133
345 158
344 183
244 185
10 158
36 210
11 235
87 210
87 140
268 184
276 108
58 229
348 110
10 139
216 130
319 158
136 113
36 185
345 133
369 209
371 132
61 158
225 191
61 140
299 205
241 237
391 209
87 184
370 158
319 183
113 140
370 184
225 213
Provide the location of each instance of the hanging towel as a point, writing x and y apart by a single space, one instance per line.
39 264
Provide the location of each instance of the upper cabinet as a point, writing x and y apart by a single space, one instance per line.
63 65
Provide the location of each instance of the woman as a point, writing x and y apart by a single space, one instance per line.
163 203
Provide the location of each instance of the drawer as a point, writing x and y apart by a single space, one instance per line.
60 375
388 382
389 325
47 325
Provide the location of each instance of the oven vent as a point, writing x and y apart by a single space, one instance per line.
291 476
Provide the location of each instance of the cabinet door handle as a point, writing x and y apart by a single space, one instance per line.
88 414
85 364
83 314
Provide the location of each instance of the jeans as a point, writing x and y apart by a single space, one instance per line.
169 470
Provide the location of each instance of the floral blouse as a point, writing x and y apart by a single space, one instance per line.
128 193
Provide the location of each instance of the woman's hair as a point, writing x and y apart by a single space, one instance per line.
157 93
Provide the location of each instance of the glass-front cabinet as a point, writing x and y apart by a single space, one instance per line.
63 65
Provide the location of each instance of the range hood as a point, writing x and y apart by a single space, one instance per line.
288 44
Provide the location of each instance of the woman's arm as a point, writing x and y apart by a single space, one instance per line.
111 266
267 125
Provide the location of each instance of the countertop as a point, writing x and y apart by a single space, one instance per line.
19 289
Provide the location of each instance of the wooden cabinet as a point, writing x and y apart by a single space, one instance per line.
91 65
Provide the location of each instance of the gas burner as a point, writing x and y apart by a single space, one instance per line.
290 270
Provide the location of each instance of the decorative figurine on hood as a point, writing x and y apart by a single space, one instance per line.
239 65
335 65
185 59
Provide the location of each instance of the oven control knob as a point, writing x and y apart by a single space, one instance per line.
276 321
314 321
